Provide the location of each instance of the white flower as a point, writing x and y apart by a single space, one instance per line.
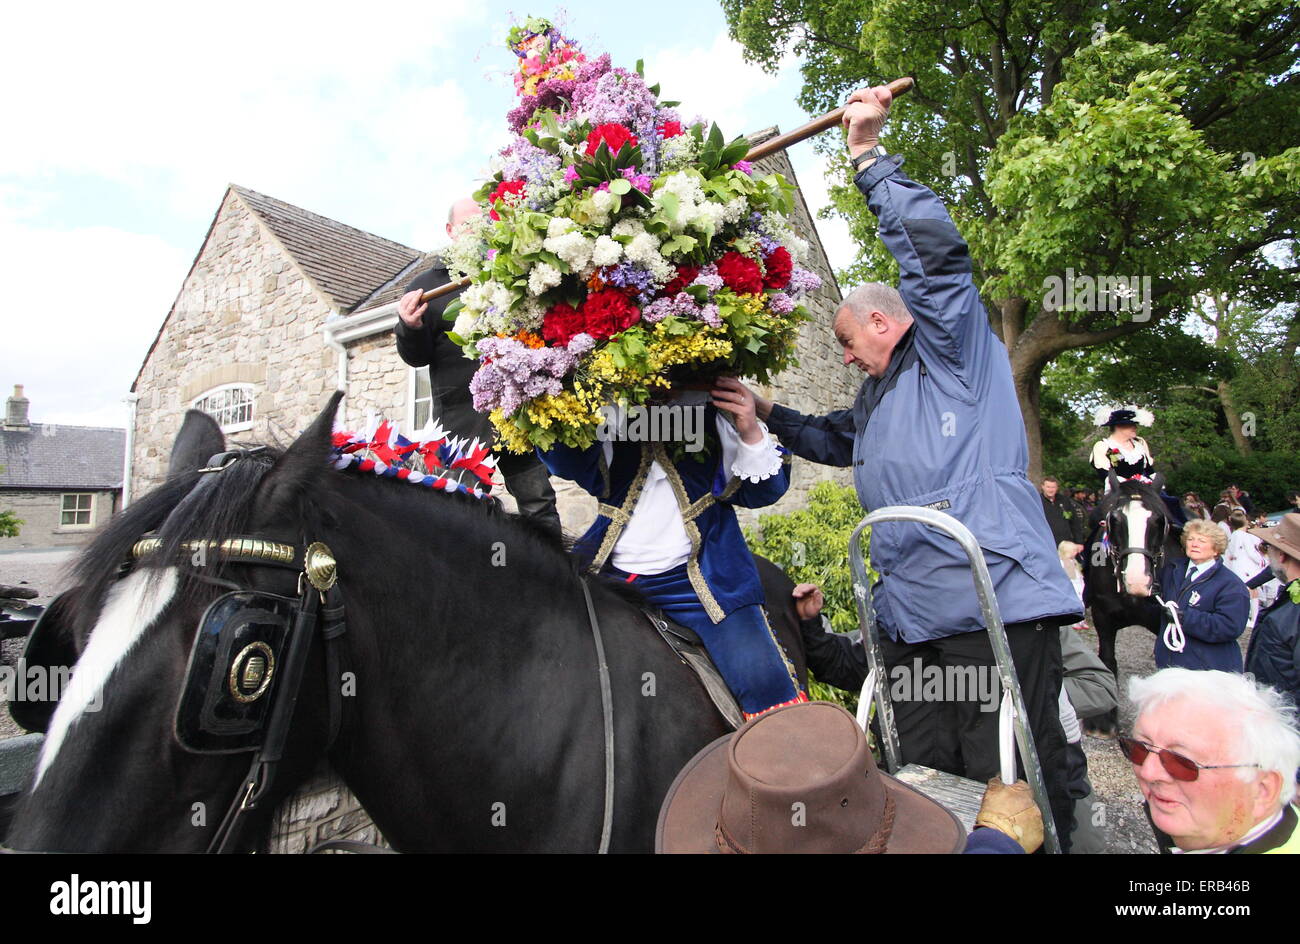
574 248
603 201
628 228
542 277
464 325
559 226
607 251
686 187
643 249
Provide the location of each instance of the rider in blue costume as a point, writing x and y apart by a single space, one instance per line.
665 523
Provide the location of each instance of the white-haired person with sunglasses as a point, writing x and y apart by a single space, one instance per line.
1215 754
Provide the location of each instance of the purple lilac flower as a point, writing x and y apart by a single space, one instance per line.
580 344
631 275
513 373
802 282
745 167
526 161
709 278
617 96
681 305
709 315
767 244
780 303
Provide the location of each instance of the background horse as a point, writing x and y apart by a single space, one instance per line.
471 708
1133 534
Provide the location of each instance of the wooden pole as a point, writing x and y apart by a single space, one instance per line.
766 149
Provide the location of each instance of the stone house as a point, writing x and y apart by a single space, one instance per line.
282 306
61 481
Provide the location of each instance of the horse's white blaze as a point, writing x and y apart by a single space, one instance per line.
1135 576
133 605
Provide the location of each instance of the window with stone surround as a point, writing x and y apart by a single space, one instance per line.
231 405
77 510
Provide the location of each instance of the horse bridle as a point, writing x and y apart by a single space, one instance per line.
258 671
1117 554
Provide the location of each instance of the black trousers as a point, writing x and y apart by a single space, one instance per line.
954 730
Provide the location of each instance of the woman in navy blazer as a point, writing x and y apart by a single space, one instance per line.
1211 605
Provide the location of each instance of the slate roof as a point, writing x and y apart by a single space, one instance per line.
395 287
344 261
53 456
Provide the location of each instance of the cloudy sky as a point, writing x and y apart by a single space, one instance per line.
132 118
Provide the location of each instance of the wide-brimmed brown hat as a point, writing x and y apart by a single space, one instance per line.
1285 536
799 779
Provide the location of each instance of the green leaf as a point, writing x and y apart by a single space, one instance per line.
669 203
619 186
451 311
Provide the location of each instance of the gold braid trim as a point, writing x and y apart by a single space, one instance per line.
619 517
690 510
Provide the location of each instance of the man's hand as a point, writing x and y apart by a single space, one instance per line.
410 310
733 396
808 601
865 116
1011 810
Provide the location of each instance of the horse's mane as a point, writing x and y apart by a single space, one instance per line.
223 508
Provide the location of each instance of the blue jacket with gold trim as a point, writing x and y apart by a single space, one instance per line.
720 565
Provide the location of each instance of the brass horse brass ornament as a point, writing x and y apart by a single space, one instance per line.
251 672
319 564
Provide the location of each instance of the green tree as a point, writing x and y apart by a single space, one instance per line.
10 523
1149 141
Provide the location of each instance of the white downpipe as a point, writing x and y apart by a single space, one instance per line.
131 399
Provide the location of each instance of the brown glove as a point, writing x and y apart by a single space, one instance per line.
1011 810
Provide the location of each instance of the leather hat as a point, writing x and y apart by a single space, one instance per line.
1285 536
799 779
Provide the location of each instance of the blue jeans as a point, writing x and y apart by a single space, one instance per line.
742 646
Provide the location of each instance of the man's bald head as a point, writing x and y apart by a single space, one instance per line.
463 209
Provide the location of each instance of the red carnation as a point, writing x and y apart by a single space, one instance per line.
685 276
740 273
608 312
515 187
671 129
560 323
779 266
614 135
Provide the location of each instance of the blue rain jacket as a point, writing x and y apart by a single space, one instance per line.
942 429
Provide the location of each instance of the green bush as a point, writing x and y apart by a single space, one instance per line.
812 546
9 524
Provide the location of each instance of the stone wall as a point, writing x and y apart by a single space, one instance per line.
245 313
41 513
322 809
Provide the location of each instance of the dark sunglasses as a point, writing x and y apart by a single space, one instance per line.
1175 764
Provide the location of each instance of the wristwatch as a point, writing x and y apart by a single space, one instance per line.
867 158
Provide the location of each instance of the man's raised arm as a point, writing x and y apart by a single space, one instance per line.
933 259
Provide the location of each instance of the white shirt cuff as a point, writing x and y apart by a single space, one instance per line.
755 462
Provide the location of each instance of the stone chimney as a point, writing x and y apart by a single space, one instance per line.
16 410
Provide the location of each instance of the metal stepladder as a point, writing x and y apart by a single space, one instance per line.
958 793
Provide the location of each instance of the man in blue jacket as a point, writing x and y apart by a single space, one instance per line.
1274 653
937 424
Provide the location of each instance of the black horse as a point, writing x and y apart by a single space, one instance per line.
471 704
1133 536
